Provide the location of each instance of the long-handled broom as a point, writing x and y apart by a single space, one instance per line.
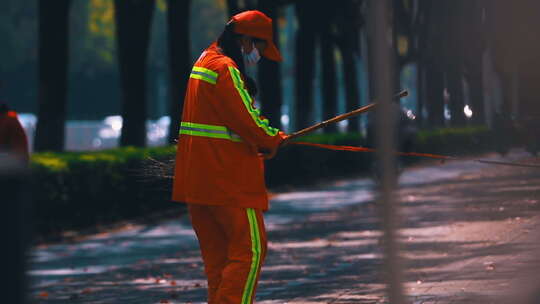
337 119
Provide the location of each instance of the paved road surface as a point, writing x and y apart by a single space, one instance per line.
461 221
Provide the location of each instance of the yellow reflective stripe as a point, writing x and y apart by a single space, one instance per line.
206 71
211 135
256 258
203 126
202 77
204 130
204 74
246 99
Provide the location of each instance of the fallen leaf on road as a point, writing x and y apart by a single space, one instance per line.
173 283
164 301
86 291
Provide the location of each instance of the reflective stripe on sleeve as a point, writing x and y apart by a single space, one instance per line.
204 74
204 130
246 99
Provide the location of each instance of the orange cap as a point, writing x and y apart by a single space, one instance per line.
258 25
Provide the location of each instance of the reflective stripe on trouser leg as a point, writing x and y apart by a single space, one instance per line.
256 259
233 244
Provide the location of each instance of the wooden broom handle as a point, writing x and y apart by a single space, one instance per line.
337 119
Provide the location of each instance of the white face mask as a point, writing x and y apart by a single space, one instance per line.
252 57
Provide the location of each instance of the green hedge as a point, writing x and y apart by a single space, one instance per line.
78 190
455 141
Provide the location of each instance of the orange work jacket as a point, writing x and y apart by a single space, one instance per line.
12 137
221 132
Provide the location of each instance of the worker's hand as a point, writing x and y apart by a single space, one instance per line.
284 139
270 153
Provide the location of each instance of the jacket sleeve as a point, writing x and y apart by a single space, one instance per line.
235 107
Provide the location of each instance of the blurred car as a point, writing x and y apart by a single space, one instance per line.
28 122
157 131
84 135
109 133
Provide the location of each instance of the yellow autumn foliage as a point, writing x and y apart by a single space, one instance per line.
102 28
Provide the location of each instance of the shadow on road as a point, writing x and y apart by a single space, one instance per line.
464 239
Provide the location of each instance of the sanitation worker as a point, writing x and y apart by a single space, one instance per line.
13 141
219 169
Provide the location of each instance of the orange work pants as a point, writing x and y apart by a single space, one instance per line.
233 245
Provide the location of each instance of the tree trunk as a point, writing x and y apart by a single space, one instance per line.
421 91
370 66
349 21
252 4
269 74
329 85
422 28
455 88
398 62
233 8
476 85
179 61
53 69
351 86
453 50
372 69
133 20
433 56
435 99
475 32
304 65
